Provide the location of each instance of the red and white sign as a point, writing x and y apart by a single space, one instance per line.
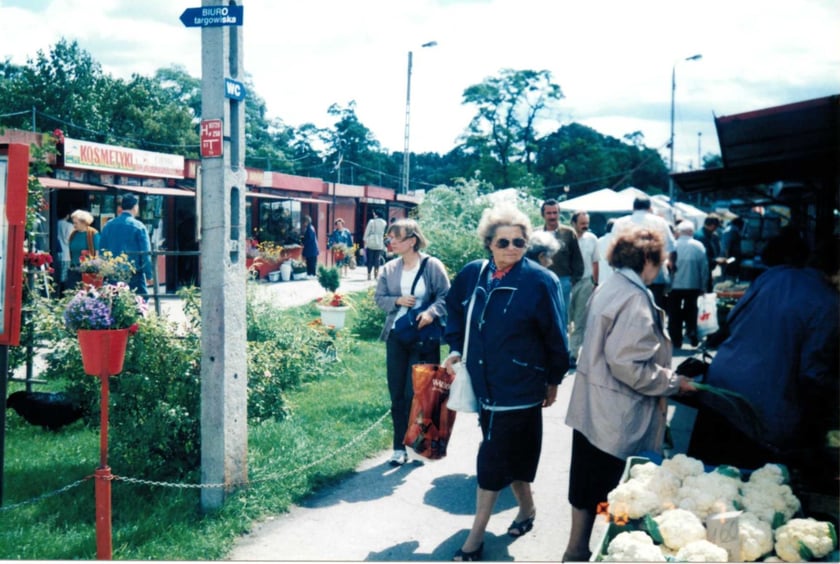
109 158
211 138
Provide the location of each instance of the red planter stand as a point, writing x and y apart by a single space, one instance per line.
103 351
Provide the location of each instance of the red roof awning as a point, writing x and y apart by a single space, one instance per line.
58 184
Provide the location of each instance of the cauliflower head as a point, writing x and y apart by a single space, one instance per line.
683 466
707 494
702 551
755 536
632 499
771 502
633 546
679 527
805 539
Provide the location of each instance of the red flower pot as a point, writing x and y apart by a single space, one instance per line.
94 280
103 350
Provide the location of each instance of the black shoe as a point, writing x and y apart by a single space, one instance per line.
519 528
476 554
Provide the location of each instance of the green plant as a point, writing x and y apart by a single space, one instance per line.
329 278
368 318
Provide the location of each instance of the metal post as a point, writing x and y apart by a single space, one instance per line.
406 153
102 477
406 158
671 199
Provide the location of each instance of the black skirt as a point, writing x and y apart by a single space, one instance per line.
593 474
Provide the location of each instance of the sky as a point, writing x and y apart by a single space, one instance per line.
613 59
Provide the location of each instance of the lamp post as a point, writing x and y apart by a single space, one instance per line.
406 157
671 142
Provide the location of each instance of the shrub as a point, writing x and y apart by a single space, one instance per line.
329 278
368 318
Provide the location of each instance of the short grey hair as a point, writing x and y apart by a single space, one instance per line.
542 242
502 215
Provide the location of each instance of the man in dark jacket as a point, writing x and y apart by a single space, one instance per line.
125 234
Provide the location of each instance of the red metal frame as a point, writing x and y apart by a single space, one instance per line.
17 190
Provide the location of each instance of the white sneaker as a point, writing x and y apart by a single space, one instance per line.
398 458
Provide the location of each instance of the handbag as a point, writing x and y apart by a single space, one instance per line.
461 394
430 421
405 329
707 321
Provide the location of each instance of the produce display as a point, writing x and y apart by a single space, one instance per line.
679 512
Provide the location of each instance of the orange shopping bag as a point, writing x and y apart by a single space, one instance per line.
430 421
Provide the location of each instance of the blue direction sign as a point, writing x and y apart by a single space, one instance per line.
234 90
212 16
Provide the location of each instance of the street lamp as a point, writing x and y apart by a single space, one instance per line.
406 158
671 142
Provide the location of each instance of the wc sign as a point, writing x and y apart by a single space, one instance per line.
234 90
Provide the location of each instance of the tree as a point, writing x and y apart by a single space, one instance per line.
584 160
355 148
509 106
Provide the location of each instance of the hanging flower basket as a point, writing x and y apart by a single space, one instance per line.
103 350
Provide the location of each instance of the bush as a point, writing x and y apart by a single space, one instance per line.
329 278
368 318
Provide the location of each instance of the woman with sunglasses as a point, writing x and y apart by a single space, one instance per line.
414 284
517 356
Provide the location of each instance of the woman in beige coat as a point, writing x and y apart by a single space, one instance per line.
624 374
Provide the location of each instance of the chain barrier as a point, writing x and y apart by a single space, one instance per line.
267 478
42 497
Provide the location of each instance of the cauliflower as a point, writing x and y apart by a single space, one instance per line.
771 502
701 551
707 494
775 473
805 539
632 499
659 481
755 537
633 546
679 527
683 466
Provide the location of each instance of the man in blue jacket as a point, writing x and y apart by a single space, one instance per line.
125 234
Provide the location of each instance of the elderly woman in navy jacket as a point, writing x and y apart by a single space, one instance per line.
517 355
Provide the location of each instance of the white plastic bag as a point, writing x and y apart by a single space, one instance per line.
461 395
707 321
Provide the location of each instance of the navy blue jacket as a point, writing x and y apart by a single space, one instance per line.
518 343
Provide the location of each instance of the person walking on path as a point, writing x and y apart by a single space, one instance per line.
310 246
125 234
517 357
408 287
643 216
83 239
374 238
708 235
64 228
617 407
567 263
583 288
688 282
341 236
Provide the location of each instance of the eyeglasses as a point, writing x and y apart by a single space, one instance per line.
519 243
406 238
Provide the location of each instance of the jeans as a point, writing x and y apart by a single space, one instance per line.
566 287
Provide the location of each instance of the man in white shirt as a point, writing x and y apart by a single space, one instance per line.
62 233
687 285
582 289
643 215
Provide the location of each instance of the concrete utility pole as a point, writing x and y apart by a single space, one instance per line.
224 379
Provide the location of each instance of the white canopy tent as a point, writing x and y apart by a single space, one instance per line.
605 200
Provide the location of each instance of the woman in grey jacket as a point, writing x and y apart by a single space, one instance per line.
399 292
623 375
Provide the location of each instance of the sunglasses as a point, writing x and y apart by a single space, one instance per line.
519 243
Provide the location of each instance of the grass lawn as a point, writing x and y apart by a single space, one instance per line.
166 523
